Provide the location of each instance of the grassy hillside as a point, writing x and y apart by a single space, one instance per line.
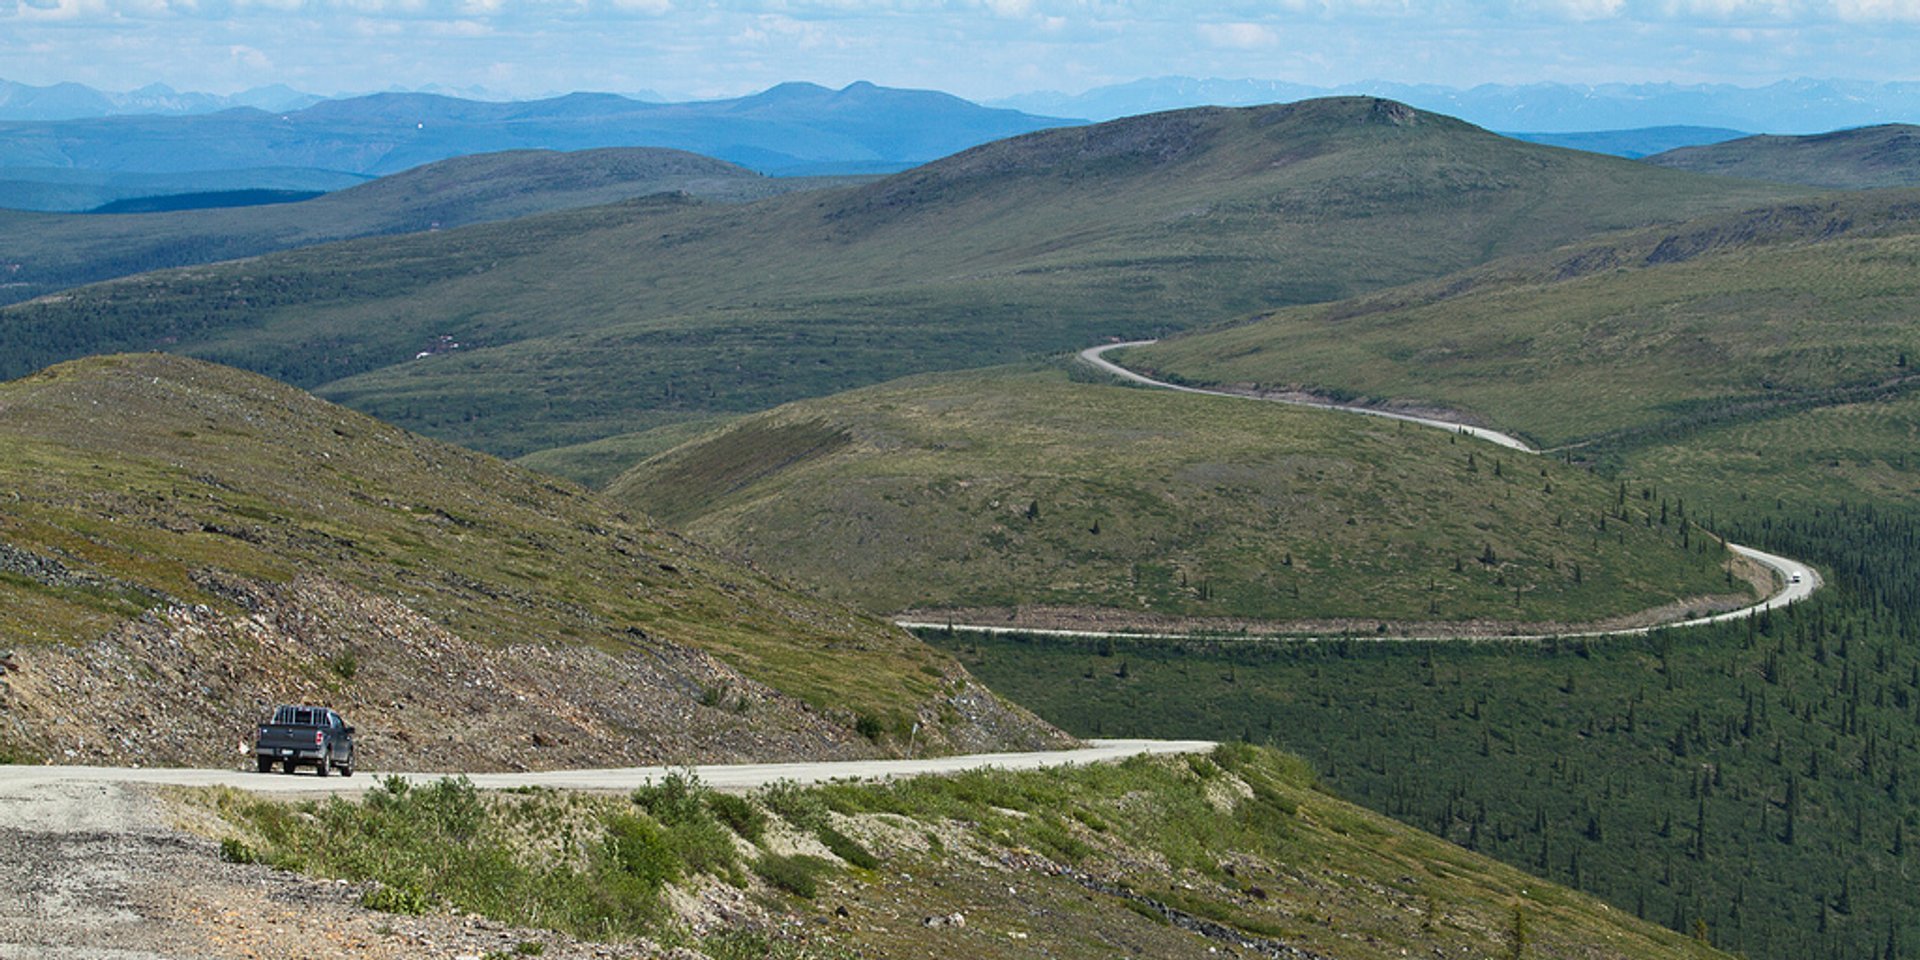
1235 853
189 544
1858 159
1858 453
1018 488
1752 777
47 252
597 463
1614 343
594 323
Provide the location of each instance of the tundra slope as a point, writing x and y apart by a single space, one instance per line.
1797 581
1027 496
1616 341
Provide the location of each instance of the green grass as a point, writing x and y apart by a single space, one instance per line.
202 473
597 463
1020 487
593 323
1865 452
1619 342
564 862
1243 837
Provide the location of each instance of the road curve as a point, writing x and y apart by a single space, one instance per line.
1797 580
733 778
1096 356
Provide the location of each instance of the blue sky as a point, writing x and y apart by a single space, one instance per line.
976 48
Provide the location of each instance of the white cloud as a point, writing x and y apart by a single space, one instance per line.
249 58
63 10
1238 36
1580 9
1879 10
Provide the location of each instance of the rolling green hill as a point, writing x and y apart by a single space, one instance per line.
1616 343
587 324
1860 159
45 252
188 544
1016 495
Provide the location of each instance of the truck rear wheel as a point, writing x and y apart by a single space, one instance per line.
263 764
320 769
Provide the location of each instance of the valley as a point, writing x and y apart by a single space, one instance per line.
1583 410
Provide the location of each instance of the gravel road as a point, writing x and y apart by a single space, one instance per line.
93 868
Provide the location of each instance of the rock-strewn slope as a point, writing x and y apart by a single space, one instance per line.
185 545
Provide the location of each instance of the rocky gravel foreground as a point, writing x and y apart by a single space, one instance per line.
95 871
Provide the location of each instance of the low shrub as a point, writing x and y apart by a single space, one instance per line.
739 815
704 846
798 874
389 899
641 850
676 799
803 808
847 848
235 850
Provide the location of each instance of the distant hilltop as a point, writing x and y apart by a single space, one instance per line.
1790 106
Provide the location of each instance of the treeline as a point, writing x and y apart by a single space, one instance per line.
1753 782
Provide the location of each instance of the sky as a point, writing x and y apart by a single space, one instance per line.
981 49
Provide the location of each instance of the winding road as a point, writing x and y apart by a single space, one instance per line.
1798 581
729 777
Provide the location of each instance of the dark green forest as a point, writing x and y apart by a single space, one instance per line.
1753 780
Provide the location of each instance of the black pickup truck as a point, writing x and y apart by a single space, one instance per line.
300 736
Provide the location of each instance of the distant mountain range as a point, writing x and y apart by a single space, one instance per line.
791 128
74 101
1790 106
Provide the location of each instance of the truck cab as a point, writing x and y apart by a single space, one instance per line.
305 736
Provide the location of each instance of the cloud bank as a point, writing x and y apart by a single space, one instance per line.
979 48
